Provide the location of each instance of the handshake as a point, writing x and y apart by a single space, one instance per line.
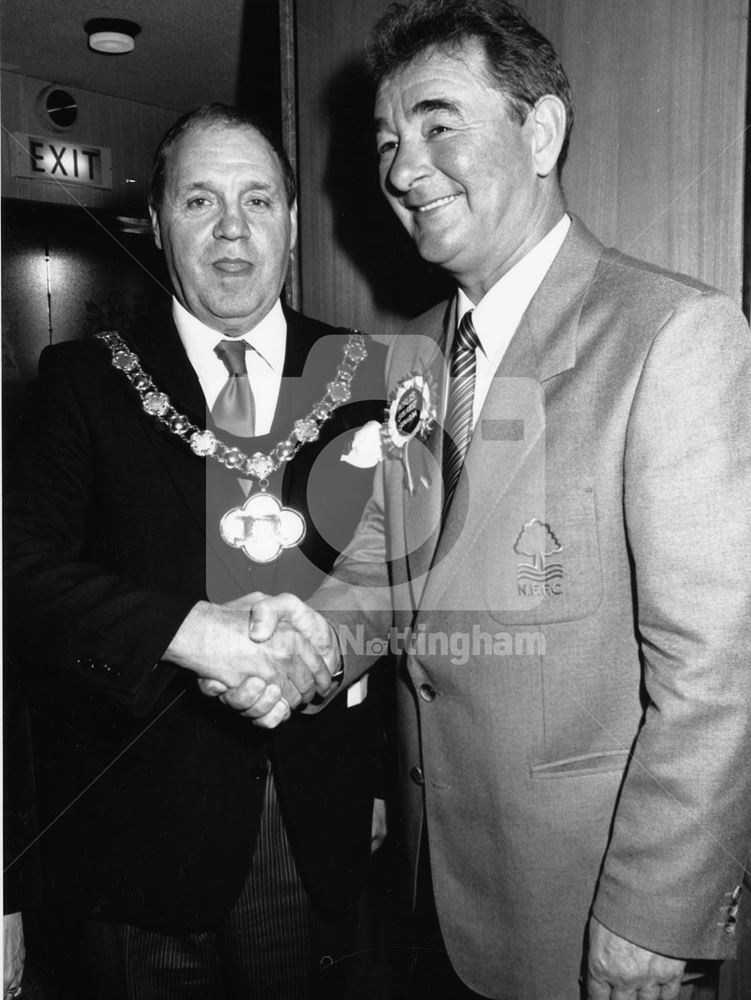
262 656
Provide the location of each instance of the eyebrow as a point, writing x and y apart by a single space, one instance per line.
263 186
425 107
434 104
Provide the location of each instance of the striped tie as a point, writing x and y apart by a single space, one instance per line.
458 426
234 409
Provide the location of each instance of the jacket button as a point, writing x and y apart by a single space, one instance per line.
427 692
416 775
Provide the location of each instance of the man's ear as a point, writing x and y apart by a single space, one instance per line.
548 118
155 226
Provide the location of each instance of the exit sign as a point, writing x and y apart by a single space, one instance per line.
52 159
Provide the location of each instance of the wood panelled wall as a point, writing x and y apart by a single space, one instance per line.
655 168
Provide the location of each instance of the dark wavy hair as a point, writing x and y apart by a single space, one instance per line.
522 61
206 116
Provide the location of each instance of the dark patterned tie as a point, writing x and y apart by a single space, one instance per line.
458 426
234 409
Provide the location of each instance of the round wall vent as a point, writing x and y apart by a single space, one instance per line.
57 107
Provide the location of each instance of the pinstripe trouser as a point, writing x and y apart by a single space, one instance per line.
260 951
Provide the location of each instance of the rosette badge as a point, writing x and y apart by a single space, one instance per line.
411 414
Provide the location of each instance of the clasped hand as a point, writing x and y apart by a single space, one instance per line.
278 654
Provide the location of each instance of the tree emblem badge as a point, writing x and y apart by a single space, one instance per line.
542 576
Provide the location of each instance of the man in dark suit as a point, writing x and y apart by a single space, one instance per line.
163 476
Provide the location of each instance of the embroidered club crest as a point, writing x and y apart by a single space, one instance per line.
542 577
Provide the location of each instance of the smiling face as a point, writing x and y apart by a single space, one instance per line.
475 189
225 226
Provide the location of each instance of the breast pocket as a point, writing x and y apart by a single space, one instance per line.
543 558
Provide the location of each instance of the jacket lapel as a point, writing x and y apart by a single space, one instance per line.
204 488
512 420
162 354
422 508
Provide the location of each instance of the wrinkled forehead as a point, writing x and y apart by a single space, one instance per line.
222 144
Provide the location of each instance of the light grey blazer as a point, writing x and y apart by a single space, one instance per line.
584 739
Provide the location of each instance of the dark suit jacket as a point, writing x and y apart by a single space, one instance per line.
154 791
22 875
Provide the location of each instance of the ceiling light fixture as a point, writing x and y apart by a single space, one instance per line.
111 35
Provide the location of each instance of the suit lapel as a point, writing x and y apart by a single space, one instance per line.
512 420
551 321
422 509
204 488
163 357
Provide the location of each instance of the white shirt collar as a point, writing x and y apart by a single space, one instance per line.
496 316
269 338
